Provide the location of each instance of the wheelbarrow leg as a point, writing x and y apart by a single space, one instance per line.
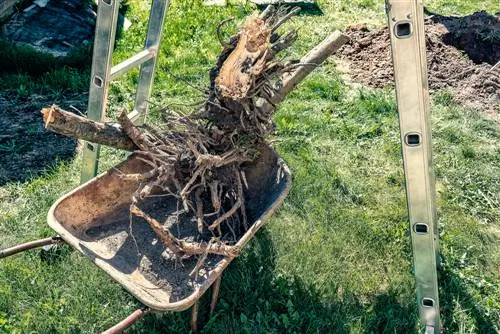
194 317
128 321
196 307
215 294
30 245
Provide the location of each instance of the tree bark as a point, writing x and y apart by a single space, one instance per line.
71 125
309 62
68 124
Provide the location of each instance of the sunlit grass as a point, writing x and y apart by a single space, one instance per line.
336 257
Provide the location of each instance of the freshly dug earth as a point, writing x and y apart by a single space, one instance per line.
461 56
21 153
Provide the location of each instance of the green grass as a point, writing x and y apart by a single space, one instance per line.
337 256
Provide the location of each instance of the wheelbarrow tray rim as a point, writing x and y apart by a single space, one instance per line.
134 289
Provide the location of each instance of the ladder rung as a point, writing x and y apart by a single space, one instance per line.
133 115
133 61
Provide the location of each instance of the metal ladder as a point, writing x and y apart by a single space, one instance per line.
406 25
102 72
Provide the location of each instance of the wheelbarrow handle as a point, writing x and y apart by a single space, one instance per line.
29 245
128 321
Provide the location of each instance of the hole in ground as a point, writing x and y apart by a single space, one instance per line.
478 35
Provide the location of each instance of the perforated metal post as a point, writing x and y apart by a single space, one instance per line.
102 72
146 76
104 40
406 25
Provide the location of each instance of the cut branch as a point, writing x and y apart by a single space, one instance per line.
198 158
68 124
314 58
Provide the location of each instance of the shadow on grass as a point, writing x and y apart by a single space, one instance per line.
255 298
26 147
453 292
306 8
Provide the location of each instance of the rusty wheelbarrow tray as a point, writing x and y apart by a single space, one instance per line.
94 219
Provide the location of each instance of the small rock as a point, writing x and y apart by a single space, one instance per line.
490 89
348 50
364 42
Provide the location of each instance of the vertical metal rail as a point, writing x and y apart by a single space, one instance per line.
104 41
103 73
146 75
406 25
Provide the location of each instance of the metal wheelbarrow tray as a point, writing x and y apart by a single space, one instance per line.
95 219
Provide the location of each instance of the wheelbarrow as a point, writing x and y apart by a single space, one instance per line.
95 219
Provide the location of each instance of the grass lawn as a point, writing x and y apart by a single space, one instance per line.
336 258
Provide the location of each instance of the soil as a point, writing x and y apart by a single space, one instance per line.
56 28
99 217
462 57
26 147
146 253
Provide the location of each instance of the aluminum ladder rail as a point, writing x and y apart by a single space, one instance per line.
406 26
102 72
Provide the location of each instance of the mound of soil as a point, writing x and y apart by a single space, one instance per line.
26 147
462 57
477 34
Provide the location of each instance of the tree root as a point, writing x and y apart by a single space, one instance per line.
181 246
164 235
198 158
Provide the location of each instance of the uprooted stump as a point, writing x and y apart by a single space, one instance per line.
199 159
95 219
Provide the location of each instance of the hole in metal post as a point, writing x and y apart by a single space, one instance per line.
412 139
428 302
403 29
90 147
98 81
421 228
108 2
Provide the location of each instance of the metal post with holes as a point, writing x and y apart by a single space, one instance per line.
406 26
102 72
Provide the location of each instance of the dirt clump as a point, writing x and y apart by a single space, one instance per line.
473 78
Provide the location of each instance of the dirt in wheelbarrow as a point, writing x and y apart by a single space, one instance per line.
463 55
131 245
128 243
